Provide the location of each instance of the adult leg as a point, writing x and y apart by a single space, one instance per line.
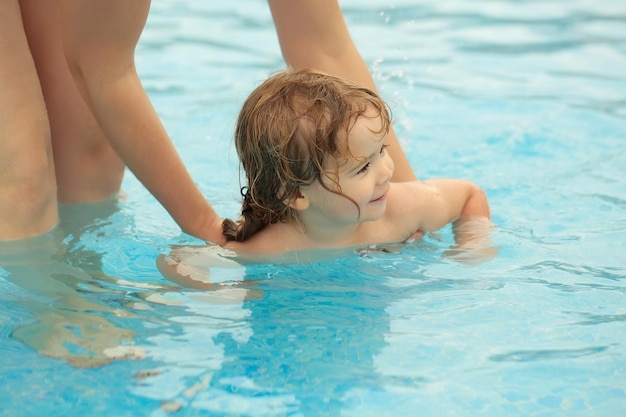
87 168
313 34
28 205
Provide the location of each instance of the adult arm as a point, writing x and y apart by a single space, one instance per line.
313 34
99 39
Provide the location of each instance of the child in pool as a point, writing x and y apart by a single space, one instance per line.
318 176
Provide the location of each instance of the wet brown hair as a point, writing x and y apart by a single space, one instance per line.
288 131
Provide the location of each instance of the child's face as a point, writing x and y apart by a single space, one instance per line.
365 179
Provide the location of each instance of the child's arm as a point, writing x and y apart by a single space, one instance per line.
442 201
466 206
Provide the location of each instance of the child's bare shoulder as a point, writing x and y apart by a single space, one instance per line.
407 196
402 213
411 203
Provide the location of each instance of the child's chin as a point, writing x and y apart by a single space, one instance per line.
373 217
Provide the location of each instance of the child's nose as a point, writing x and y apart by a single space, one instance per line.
386 171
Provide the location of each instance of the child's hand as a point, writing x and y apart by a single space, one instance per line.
200 267
184 275
473 241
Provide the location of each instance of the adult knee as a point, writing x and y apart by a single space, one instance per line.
28 205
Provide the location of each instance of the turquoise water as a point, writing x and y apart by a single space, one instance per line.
525 98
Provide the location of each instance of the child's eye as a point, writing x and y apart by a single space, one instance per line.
364 169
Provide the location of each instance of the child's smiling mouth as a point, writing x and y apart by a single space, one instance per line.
382 197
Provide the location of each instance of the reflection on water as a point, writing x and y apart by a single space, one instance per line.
185 345
78 312
312 336
57 288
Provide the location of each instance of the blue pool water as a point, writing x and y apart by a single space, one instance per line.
528 99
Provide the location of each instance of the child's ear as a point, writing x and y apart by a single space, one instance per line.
298 202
